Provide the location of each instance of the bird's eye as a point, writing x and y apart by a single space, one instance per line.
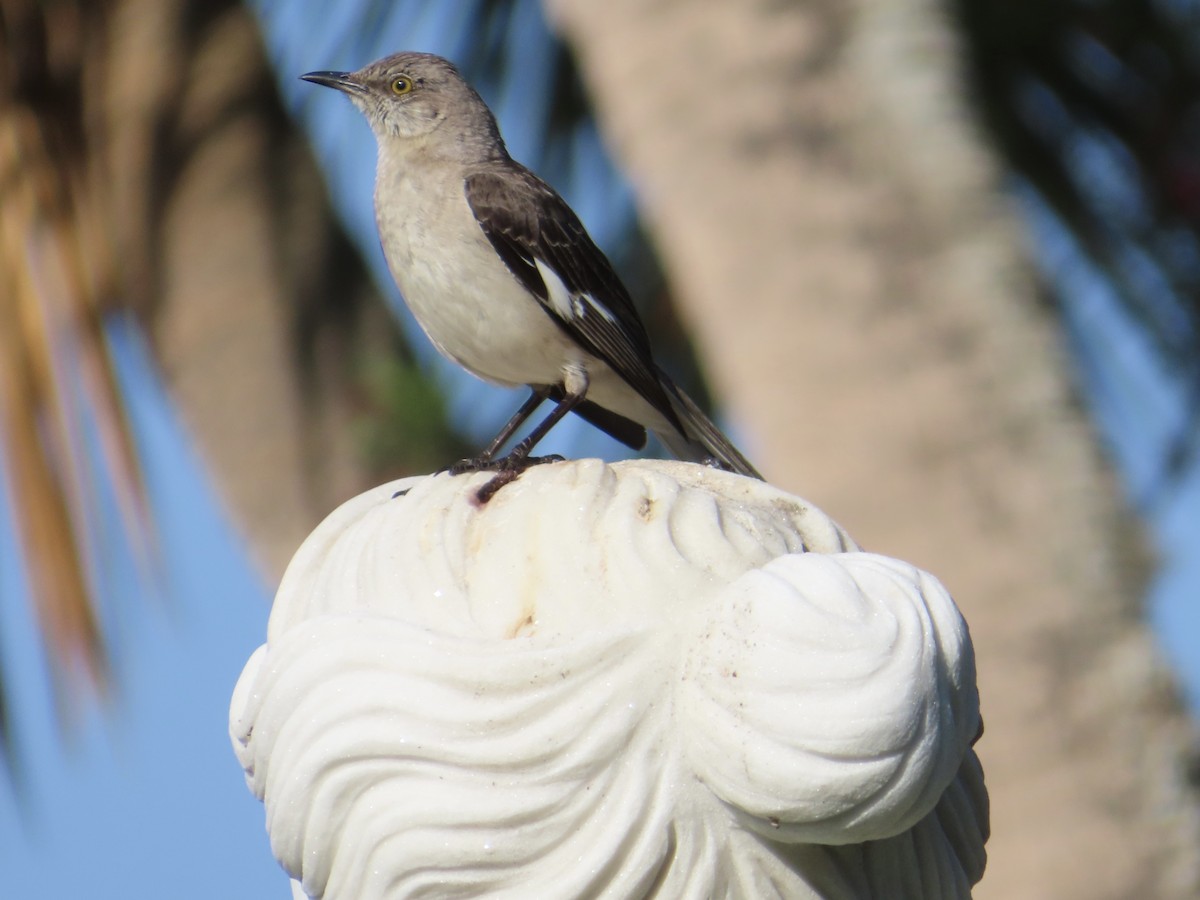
401 84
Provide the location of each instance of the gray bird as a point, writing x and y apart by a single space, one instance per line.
501 274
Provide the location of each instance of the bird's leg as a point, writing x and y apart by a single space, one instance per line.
485 459
575 387
519 456
536 396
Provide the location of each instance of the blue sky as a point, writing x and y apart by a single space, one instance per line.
144 799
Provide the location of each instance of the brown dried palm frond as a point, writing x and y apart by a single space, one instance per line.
56 377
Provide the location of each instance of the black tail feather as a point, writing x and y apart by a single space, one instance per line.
703 441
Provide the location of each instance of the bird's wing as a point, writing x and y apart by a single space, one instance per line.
547 249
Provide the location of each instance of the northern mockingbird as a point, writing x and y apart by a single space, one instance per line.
501 274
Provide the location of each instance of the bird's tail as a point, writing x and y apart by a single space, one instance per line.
703 441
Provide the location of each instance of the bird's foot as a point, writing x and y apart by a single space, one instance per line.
507 470
475 464
484 464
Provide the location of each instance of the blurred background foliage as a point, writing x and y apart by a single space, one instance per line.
1096 107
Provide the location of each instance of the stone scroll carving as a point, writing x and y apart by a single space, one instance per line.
631 680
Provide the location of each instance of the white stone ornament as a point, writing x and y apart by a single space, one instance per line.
631 680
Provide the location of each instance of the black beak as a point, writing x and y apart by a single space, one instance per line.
342 81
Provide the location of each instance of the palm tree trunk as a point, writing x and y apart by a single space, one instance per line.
855 282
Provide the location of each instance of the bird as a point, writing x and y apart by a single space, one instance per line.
502 275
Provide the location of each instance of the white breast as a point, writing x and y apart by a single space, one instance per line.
470 305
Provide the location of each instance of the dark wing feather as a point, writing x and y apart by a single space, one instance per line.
616 426
525 221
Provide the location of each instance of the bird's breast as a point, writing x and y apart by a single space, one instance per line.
471 306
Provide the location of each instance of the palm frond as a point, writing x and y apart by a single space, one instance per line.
60 408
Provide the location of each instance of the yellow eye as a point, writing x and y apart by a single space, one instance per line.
401 84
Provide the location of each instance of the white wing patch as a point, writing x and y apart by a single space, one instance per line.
557 293
563 302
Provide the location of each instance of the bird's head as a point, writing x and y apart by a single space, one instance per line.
410 96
